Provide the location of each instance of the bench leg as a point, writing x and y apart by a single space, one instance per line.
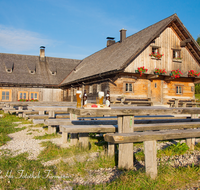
24 115
73 116
20 114
74 139
41 112
51 114
125 160
64 137
20 108
150 152
111 149
190 143
84 140
51 129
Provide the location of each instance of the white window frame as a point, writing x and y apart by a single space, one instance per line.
179 89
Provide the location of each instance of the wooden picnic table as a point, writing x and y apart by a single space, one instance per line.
125 119
51 109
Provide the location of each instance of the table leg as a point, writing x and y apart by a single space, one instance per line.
64 137
74 139
84 140
125 125
51 114
41 112
150 152
73 116
190 143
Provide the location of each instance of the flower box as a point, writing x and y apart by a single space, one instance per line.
156 55
142 70
176 73
159 71
193 73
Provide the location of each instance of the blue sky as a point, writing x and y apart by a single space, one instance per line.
78 28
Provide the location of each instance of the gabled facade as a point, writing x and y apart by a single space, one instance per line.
114 68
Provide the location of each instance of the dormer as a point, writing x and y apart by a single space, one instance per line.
52 67
9 65
31 67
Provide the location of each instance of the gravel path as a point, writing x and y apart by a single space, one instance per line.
23 141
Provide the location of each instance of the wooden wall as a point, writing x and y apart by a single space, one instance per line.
166 41
169 90
45 94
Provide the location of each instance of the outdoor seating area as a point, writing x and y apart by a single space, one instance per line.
175 102
121 125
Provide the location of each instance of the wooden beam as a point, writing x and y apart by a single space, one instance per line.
151 136
152 76
196 80
184 42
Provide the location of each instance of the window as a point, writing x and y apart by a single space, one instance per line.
179 90
22 95
5 95
129 87
176 54
90 89
98 87
33 96
155 50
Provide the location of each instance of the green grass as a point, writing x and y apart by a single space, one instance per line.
52 151
47 136
7 126
197 96
168 178
19 172
173 149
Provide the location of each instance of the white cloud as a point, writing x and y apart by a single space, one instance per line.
18 40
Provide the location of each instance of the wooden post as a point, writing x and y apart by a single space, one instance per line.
64 137
125 125
176 103
150 152
111 149
83 140
20 108
72 94
51 129
190 143
41 112
74 139
51 114
73 116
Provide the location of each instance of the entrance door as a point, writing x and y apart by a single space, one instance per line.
156 91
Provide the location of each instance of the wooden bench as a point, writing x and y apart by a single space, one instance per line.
144 133
83 131
183 103
134 101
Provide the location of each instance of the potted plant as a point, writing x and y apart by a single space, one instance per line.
193 73
22 100
156 55
178 58
141 70
159 71
176 73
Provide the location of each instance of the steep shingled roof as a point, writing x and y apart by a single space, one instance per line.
119 55
28 70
